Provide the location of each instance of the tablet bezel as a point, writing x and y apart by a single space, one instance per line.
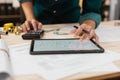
101 50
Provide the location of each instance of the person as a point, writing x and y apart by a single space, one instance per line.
38 12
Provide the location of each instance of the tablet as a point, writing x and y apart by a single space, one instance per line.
64 46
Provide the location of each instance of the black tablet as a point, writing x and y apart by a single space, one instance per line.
64 46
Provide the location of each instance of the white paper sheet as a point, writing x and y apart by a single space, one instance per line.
5 67
53 67
22 63
109 67
3 56
4 46
3 62
108 33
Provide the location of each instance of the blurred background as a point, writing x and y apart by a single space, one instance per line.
10 11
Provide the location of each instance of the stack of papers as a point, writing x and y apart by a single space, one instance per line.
108 33
53 67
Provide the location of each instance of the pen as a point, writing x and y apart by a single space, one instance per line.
82 30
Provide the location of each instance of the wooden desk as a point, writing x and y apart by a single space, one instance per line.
12 39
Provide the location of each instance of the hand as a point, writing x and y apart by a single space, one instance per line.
31 24
85 36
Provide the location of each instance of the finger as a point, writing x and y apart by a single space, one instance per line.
27 25
96 39
79 30
39 25
73 31
34 24
24 28
87 27
86 36
92 34
82 37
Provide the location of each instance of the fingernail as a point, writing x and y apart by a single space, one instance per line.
81 40
25 31
28 28
35 29
70 33
39 27
87 38
74 35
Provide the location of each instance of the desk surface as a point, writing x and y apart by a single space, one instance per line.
114 46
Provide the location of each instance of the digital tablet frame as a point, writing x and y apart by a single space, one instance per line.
32 52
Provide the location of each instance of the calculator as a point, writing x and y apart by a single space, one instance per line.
33 34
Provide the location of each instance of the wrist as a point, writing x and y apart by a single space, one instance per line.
29 19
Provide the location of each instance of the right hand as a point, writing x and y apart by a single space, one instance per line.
31 24
86 36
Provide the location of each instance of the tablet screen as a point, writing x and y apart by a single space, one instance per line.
57 45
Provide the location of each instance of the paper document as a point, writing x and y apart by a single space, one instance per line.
108 33
54 67
22 62
109 67
5 67
105 33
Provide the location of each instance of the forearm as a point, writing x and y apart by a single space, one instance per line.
28 10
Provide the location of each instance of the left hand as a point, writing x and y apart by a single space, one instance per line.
86 36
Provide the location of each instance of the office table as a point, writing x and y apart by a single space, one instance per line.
12 39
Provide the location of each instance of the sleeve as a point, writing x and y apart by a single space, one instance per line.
25 0
91 11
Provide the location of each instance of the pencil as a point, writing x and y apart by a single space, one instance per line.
82 30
